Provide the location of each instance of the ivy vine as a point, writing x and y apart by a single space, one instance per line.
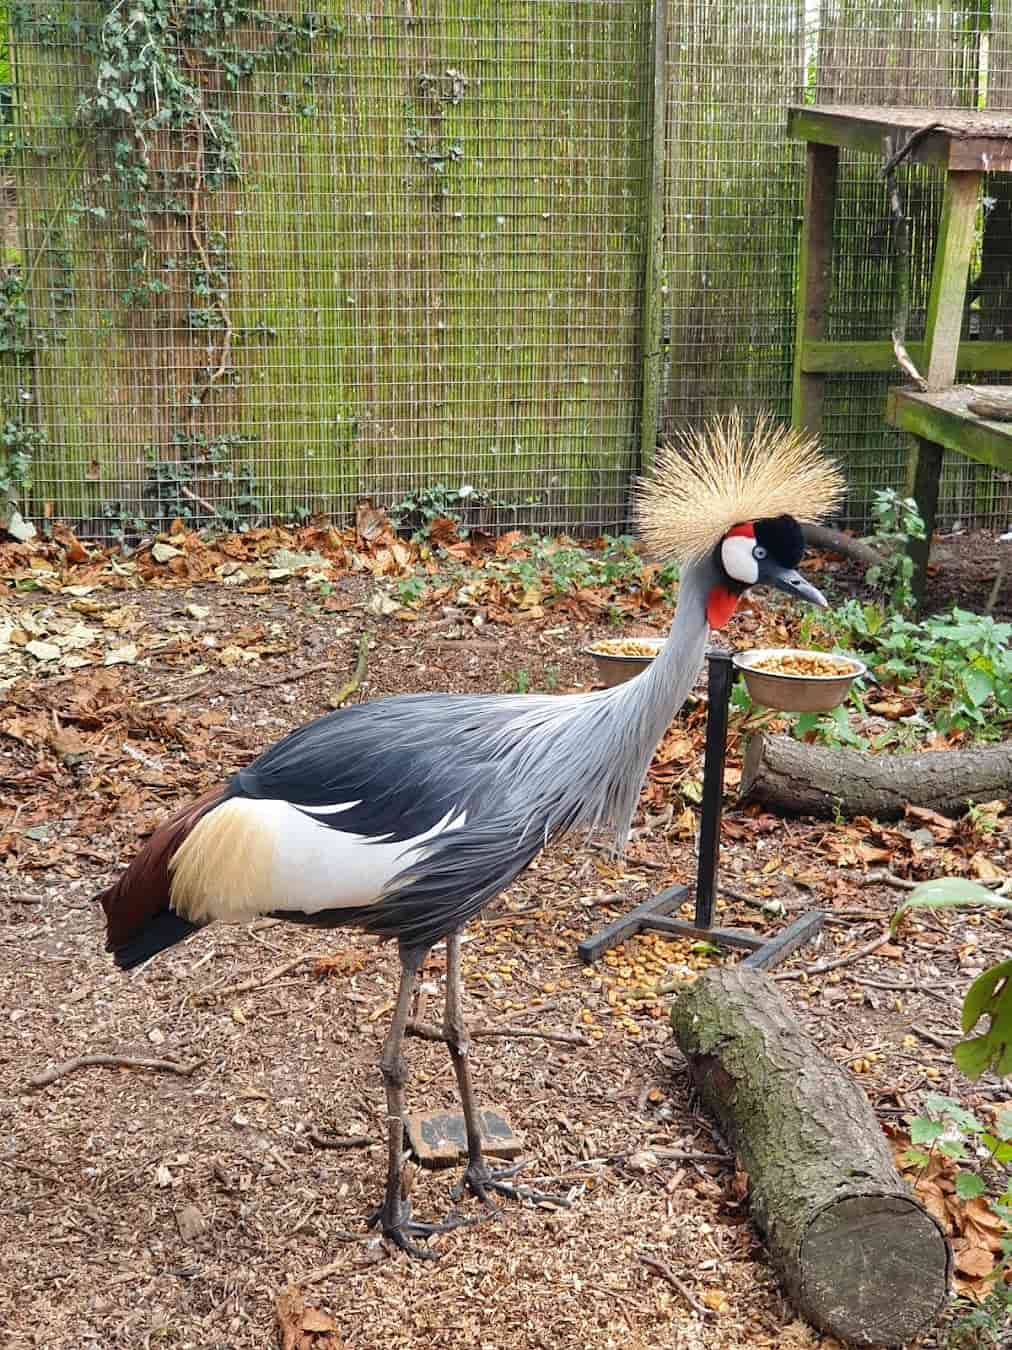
159 115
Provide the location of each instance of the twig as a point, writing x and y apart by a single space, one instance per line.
659 1268
285 677
248 985
335 1267
913 140
901 240
340 1141
883 874
174 698
188 492
111 1062
931 1037
680 1155
821 967
357 675
477 1033
17 1165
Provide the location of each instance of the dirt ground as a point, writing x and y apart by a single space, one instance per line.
147 1207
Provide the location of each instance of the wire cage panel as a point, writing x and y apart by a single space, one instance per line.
423 264
402 247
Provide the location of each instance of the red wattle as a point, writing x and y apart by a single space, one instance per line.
720 605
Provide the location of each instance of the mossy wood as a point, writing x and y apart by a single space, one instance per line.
432 257
869 356
948 138
813 780
946 419
857 1255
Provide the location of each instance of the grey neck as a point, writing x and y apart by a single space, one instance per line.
640 711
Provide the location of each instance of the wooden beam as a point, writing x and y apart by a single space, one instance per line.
977 145
653 245
877 357
815 276
824 126
944 420
949 277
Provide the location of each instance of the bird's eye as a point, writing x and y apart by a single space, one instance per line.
758 552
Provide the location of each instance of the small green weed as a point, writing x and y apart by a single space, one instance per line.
411 591
897 521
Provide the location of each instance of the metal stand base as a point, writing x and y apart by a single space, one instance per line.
653 915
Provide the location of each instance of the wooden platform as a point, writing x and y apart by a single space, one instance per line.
953 138
943 417
965 145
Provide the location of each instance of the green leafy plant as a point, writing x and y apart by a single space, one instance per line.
897 521
961 660
418 511
411 591
522 682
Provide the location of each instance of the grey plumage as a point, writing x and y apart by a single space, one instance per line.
524 768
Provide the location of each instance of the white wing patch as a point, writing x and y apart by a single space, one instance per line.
250 857
331 810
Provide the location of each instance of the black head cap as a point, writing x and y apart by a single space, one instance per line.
782 538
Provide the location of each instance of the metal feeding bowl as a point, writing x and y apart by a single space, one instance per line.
808 687
619 659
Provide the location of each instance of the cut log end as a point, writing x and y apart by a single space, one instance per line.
856 1253
872 1269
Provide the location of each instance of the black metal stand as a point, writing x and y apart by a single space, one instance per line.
652 915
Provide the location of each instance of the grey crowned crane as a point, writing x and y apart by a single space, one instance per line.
406 815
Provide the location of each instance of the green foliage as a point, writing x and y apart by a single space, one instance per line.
946 893
962 661
418 511
15 338
989 996
20 443
982 1326
952 1131
563 569
897 521
411 590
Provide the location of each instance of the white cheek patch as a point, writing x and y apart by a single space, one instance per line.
736 555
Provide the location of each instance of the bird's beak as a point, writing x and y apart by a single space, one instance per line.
792 583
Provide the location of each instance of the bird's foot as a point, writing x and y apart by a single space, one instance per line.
399 1228
479 1179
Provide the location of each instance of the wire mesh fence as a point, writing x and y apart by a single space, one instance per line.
418 263
275 263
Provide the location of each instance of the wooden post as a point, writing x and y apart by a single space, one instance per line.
815 277
948 278
924 469
653 225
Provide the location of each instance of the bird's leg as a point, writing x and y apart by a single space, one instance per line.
394 1215
477 1178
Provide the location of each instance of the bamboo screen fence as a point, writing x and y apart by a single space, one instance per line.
411 244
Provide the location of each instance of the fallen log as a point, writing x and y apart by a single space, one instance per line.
834 541
812 780
856 1253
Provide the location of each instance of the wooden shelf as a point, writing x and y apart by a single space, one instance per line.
959 140
943 418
